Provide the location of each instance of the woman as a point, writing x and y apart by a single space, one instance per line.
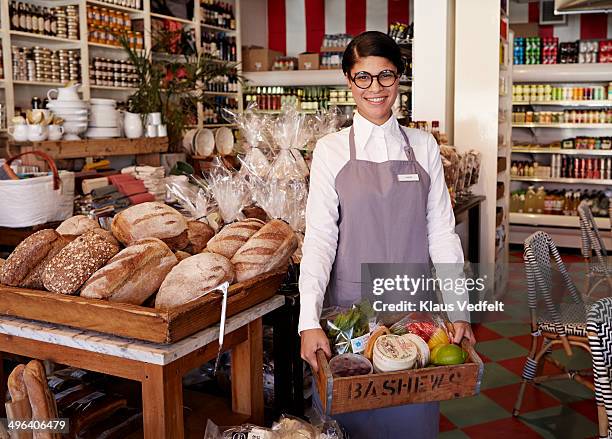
377 194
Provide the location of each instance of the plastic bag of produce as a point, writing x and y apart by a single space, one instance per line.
349 329
290 427
213 431
427 326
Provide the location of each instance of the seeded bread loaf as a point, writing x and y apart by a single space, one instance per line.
233 236
151 220
34 278
133 275
269 248
76 262
27 256
192 278
77 225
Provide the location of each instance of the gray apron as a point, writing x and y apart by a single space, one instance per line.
381 219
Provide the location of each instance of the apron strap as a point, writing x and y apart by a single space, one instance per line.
352 144
407 148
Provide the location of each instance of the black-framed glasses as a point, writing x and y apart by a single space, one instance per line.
386 78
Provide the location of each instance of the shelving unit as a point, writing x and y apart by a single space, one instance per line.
17 93
561 228
295 78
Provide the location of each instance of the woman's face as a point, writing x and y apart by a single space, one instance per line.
375 102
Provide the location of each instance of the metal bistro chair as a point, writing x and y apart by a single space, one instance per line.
593 250
563 322
599 327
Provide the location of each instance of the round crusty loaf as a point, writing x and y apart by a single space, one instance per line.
76 262
77 225
133 275
151 220
199 234
233 236
192 278
27 256
269 248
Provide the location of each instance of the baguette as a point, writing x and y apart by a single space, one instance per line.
269 248
16 386
77 225
233 236
133 275
41 399
76 262
26 257
151 220
193 278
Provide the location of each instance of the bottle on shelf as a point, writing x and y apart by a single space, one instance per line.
530 200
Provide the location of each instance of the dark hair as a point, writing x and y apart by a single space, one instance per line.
372 43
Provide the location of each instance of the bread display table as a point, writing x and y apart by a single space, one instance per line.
159 368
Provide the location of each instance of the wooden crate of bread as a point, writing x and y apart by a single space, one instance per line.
133 321
380 390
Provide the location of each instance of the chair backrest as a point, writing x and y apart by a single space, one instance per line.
599 327
539 255
590 237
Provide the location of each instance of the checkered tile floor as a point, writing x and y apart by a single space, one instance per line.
557 409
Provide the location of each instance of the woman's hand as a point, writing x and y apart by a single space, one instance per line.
312 341
462 329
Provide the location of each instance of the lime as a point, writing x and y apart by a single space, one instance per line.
446 355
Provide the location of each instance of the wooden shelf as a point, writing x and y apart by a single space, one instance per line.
563 125
41 83
72 149
602 103
295 78
222 93
36 37
218 28
111 88
594 181
116 7
604 152
168 17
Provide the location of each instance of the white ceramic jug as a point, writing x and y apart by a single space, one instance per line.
68 93
132 125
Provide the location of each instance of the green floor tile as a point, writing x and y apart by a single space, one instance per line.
497 376
510 328
567 391
453 434
502 349
579 360
478 409
560 422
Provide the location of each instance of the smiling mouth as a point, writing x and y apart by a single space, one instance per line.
376 100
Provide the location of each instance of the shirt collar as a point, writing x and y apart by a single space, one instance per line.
364 129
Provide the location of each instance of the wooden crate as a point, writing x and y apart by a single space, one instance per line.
132 321
364 392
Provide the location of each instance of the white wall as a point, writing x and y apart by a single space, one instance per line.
254 22
433 62
477 101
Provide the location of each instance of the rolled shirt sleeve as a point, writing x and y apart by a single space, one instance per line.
320 240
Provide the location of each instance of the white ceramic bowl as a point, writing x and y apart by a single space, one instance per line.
72 130
102 133
188 140
71 111
107 119
103 102
54 103
224 141
75 119
204 142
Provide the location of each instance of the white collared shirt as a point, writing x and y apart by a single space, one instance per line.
377 144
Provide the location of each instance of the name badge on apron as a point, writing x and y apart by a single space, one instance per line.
407 177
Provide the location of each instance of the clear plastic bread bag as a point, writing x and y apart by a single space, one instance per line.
191 194
228 189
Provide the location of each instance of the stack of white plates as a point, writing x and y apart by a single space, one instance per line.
75 115
103 119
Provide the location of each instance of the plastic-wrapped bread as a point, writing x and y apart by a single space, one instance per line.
269 248
76 262
151 220
233 236
134 274
192 278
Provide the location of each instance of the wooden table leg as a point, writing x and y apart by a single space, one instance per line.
247 375
162 402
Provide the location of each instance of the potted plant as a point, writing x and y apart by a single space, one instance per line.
173 81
